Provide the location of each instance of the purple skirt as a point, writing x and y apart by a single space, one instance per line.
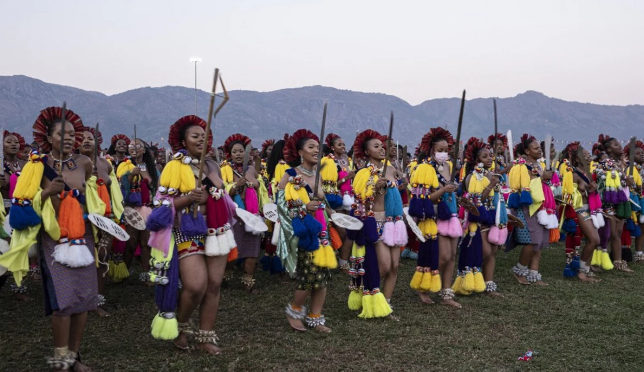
539 235
67 290
248 244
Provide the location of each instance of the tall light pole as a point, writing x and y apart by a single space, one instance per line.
195 60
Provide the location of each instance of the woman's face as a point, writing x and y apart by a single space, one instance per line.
639 155
498 146
375 150
87 146
194 141
221 154
269 149
339 147
136 148
11 145
237 153
485 157
55 139
309 151
440 146
553 151
533 151
120 146
614 148
587 156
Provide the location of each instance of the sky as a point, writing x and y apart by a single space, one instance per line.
582 50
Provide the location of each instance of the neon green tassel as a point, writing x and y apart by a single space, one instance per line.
367 307
165 329
596 260
355 300
118 272
607 264
381 307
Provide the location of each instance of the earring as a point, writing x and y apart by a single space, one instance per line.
301 159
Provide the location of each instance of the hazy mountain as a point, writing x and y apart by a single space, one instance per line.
271 114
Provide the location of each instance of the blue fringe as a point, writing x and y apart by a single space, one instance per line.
514 201
276 267
569 226
526 198
23 216
416 207
568 272
574 264
443 212
191 226
238 200
265 261
334 200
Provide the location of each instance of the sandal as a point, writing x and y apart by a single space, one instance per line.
317 323
295 317
207 341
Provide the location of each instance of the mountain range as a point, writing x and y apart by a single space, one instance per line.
262 115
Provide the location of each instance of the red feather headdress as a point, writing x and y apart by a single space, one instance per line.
571 149
329 139
499 136
21 140
472 148
597 149
174 137
48 117
515 151
268 142
230 141
525 138
416 151
290 148
117 137
434 135
97 136
627 150
361 139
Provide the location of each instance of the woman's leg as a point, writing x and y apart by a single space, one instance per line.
250 263
194 279
384 265
130 245
446 259
315 318
592 242
489 264
520 270
617 226
210 303
296 311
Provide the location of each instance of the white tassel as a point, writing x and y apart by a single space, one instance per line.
212 244
542 217
497 218
554 222
33 251
232 244
600 220
347 202
642 217
593 217
73 255
224 245
276 233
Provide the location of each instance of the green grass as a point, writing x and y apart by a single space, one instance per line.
573 326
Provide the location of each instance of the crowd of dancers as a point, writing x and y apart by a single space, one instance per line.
193 212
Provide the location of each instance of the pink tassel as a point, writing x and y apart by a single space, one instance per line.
161 240
455 230
461 213
400 234
503 236
493 235
591 203
388 234
319 216
12 184
251 202
443 227
555 178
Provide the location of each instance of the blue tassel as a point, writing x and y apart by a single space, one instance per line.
265 261
238 200
370 228
568 272
334 200
390 202
191 226
416 207
428 208
637 206
277 267
569 226
134 199
630 225
313 228
637 232
574 264
443 212
23 216
514 201
359 237
160 218
526 198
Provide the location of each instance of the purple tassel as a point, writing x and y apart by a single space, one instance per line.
428 208
134 199
416 207
167 296
191 226
370 228
444 213
160 218
359 237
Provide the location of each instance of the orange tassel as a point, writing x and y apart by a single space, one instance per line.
232 255
554 235
70 217
336 241
105 196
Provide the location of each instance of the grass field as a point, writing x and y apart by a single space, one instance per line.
573 326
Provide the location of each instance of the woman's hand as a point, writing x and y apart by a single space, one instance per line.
55 187
450 187
381 184
4 181
494 179
629 181
546 175
199 196
312 206
136 171
592 187
241 182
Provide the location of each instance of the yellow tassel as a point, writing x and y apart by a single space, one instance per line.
479 282
319 258
367 307
596 260
436 284
329 170
164 329
458 284
30 177
416 279
331 260
280 169
468 282
426 281
118 272
124 167
607 264
360 181
188 182
355 300
171 175
381 307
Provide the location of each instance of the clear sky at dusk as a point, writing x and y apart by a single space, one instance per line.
585 50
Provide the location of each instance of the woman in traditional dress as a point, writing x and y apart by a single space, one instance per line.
303 244
119 149
139 180
249 194
581 199
376 251
486 231
13 145
53 192
432 185
110 193
613 182
192 248
339 186
637 194
526 181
